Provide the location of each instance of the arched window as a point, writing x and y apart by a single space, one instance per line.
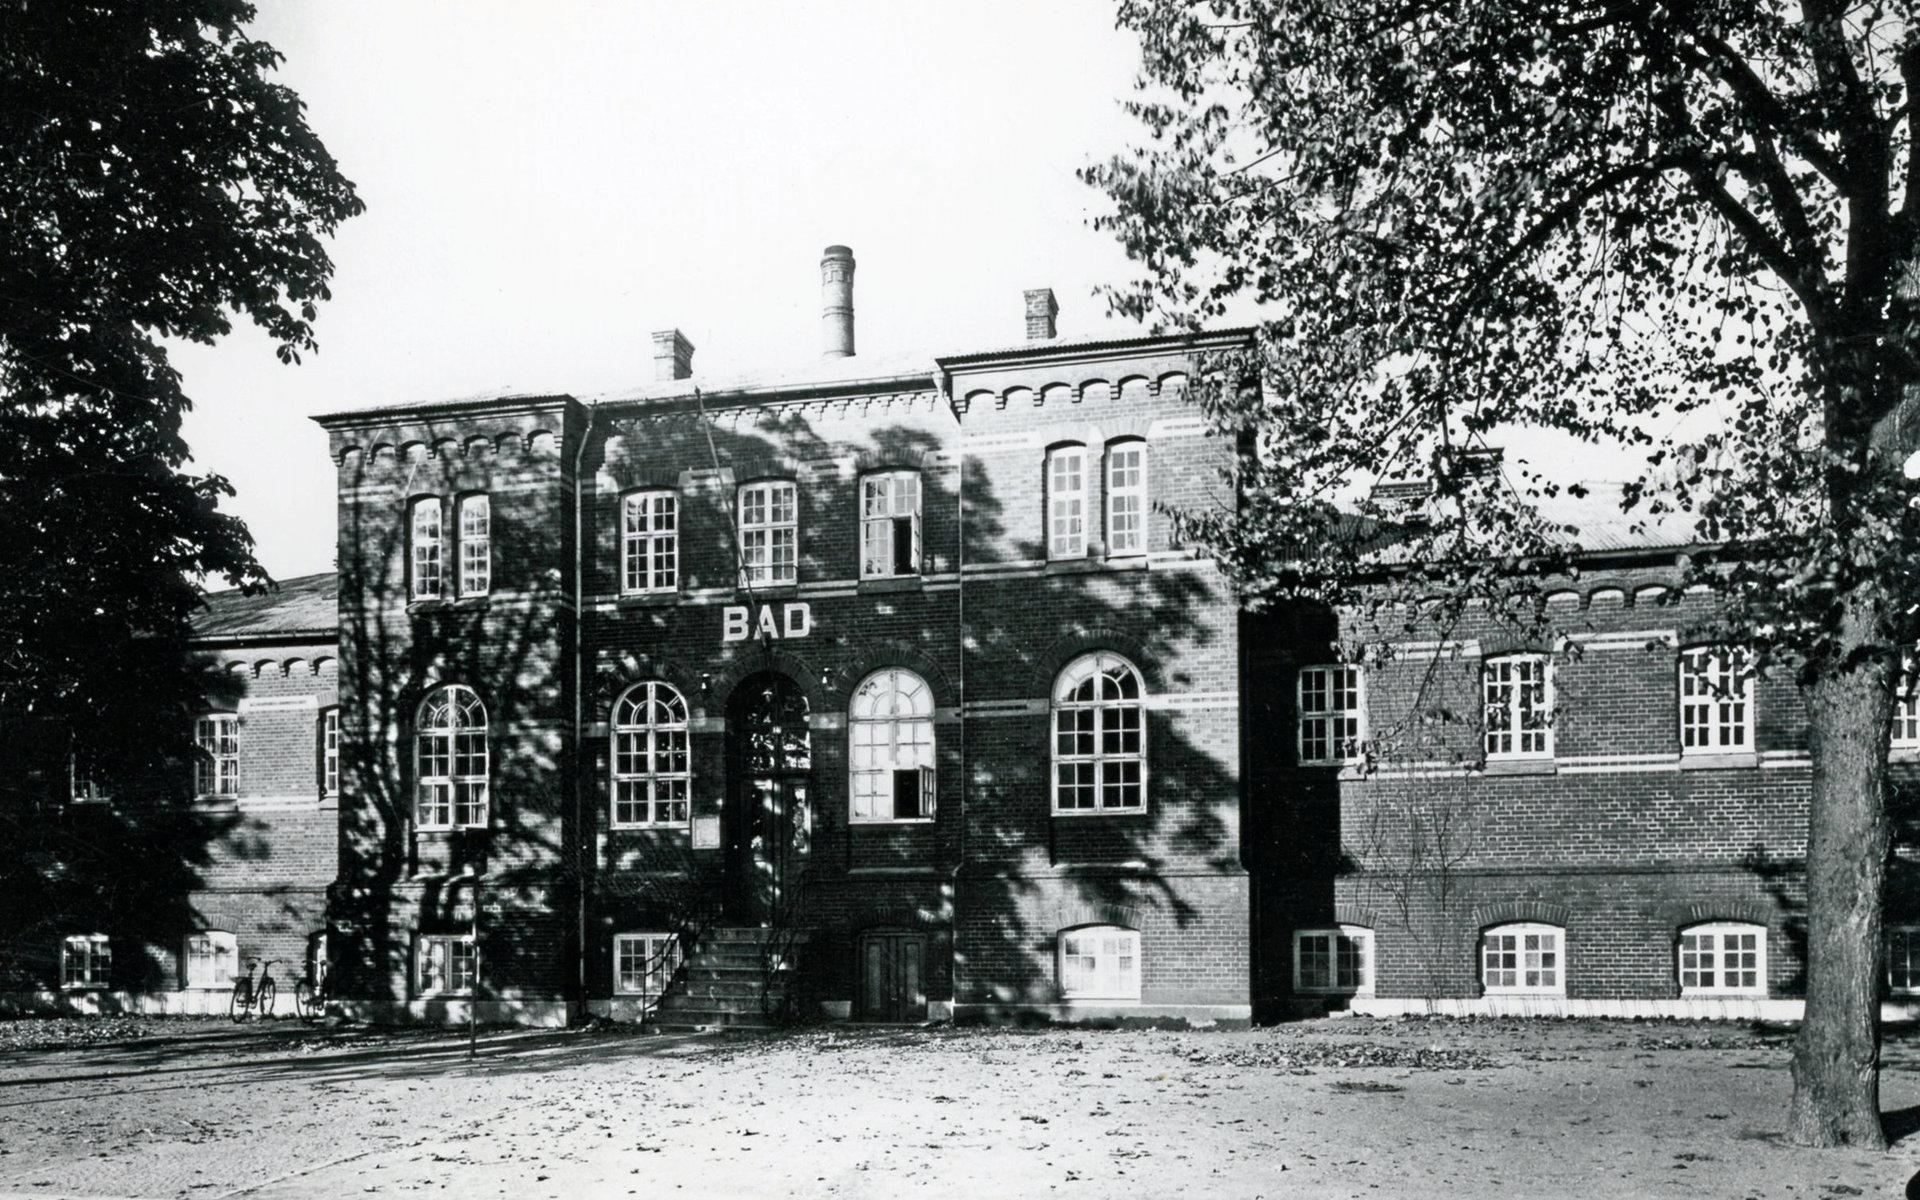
652 776
892 727
1724 958
451 760
1100 962
1099 737
1523 959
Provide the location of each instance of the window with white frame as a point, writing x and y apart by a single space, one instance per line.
1906 704
1100 962
644 963
83 787
1127 498
1523 959
650 542
217 771
427 549
476 545
86 961
1903 959
1067 502
891 729
1099 737
1332 705
1716 701
330 752
451 760
1518 691
890 525
769 533
445 964
652 772
209 960
1337 961
1723 959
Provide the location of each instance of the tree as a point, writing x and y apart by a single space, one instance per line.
154 181
1684 225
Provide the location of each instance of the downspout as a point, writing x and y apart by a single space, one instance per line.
580 783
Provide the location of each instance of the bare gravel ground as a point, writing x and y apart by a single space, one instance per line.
206 1110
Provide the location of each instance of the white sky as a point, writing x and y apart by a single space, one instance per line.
546 184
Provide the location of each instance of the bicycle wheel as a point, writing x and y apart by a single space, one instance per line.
240 1001
264 998
305 1003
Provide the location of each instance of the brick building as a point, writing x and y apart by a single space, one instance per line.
883 689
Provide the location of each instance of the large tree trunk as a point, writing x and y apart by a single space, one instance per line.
1836 1061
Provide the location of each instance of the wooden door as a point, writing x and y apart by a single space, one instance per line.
893 977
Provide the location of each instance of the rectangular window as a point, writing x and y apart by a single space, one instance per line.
1716 701
1127 498
448 965
890 525
86 962
769 533
1332 714
1906 705
1522 959
650 542
425 541
1519 706
1903 959
330 752
210 960
1723 960
644 963
82 787
217 773
1100 963
476 545
1067 502
1336 961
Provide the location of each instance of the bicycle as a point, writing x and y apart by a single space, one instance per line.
310 994
250 997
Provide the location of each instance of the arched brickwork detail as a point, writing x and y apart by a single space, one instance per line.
1128 428
1681 915
1353 914
1510 912
805 673
882 655
1606 595
1072 914
1500 643
1054 657
613 677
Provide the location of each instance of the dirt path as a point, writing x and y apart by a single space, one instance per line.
1329 1108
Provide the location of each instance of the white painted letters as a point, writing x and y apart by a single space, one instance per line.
737 622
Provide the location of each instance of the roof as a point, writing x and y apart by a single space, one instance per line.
1588 517
290 609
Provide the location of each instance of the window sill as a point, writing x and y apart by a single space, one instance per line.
1132 560
1349 993
1719 762
680 829
885 822
890 583
1074 566
1523 993
1899 753
83 987
1100 999
1519 766
1101 812
661 599
1698 994
769 591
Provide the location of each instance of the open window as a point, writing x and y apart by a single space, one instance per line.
890 525
891 726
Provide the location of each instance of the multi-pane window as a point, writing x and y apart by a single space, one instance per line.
1067 502
891 719
650 542
209 960
1716 701
1332 713
1099 737
644 963
451 760
1127 498
1523 959
83 787
652 777
330 752
476 545
1906 704
427 549
1723 959
86 961
217 770
890 525
769 533
1333 960
1518 690
1100 962
1903 958
446 965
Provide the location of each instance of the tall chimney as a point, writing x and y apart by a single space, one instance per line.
1041 310
672 355
836 298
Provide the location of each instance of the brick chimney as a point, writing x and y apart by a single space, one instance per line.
836 299
1041 310
672 355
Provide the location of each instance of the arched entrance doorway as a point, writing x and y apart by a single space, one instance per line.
767 824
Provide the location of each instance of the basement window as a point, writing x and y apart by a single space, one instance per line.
1523 960
447 965
86 962
1724 959
1336 961
1903 959
644 963
1100 962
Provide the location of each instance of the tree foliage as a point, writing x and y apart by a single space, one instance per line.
154 182
1682 225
